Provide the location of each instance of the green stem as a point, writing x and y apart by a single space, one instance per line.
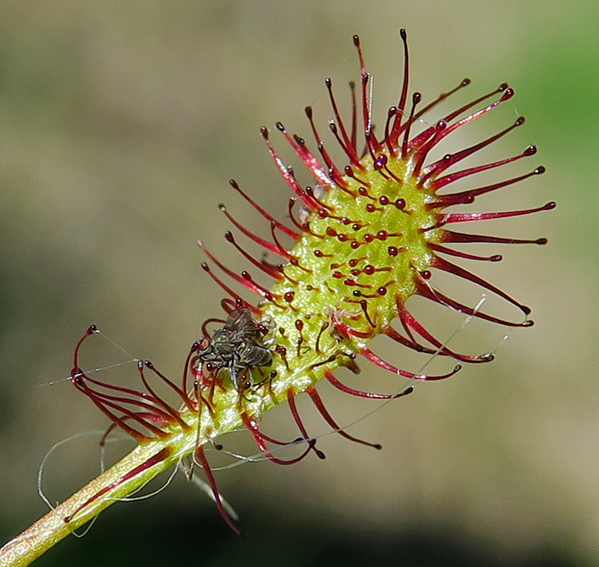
133 471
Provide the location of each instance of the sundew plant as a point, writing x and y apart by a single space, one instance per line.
368 233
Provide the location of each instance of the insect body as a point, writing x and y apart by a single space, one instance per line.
237 346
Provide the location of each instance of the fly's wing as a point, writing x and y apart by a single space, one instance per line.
241 326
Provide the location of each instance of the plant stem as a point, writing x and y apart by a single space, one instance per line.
133 471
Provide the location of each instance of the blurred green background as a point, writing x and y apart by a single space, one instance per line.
120 126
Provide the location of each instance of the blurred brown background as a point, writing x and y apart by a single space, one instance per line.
120 126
